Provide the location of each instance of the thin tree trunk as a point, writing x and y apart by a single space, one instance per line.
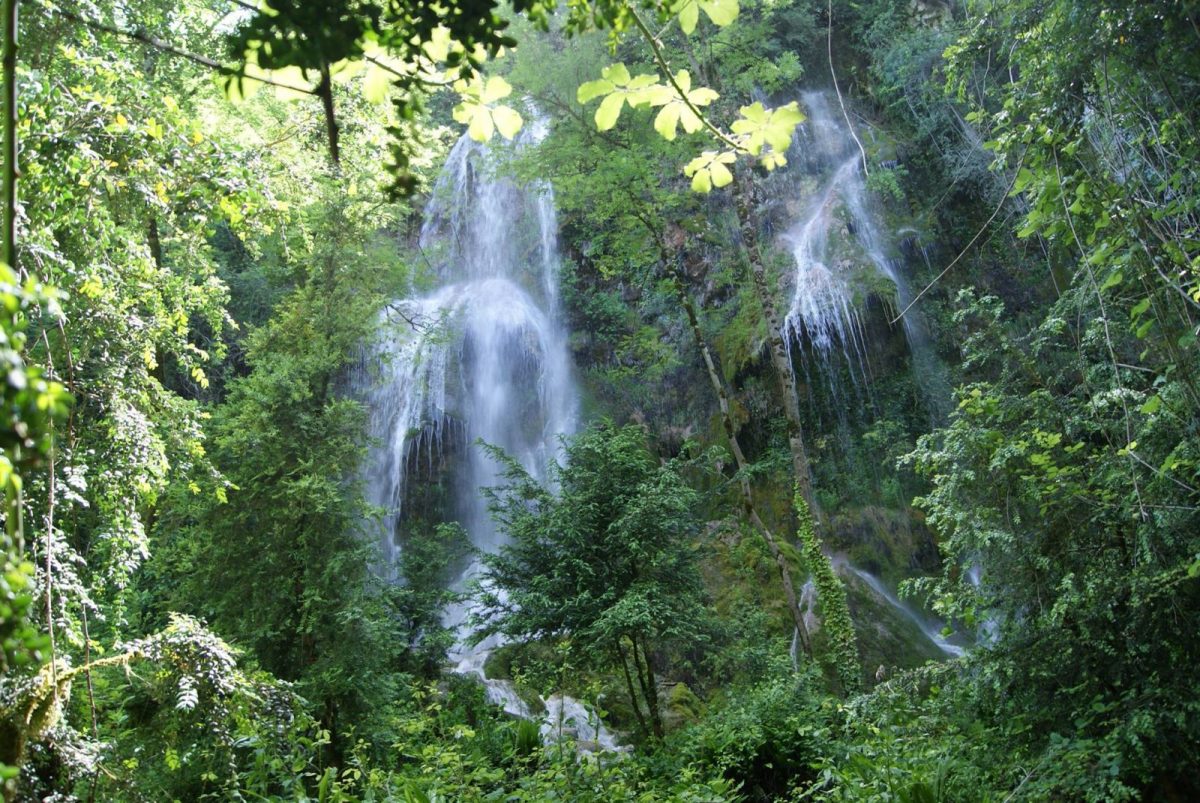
779 353
10 134
646 682
633 698
12 731
718 385
651 692
325 91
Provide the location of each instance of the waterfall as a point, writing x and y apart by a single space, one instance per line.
932 630
840 255
481 356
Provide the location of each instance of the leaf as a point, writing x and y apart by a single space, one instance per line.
478 113
593 89
609 111
290 77
1112 281
708 170
721 12
508 121
760 126
1152 404
772 159
495 89
676 111
479 122
617 88
238 88
438 46
376 82
689 15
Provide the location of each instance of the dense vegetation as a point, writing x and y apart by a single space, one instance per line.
212 212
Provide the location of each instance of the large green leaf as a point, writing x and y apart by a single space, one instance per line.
721 12
618 88
760 127
709 170
479 110
675 111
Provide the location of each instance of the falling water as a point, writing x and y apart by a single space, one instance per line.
482 357
840 253
989 627
932 630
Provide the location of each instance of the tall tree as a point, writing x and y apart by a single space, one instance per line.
607 560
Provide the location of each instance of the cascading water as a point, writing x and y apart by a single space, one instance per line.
840 253
931 629
482 357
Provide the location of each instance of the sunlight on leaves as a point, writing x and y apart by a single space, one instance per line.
760 126
675 111
479 112
721 12
617 88
709 170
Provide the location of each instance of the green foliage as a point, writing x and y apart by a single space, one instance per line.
907 742
219 281
767 735
31 404
282 566
427 561
836 623
607 561
1035 452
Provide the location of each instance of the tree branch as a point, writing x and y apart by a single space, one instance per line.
167 47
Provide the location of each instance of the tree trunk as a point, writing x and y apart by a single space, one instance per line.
651 693
12 731
780 358
633 698
10 134
325 91
718 385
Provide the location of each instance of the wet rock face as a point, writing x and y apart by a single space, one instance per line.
894 544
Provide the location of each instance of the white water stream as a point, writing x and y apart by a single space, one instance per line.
932 630
837 245
482 356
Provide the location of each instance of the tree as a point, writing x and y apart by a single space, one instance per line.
608 561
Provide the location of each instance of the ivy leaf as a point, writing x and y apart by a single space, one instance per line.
708 170
760 126
478 110
617 88
721 12
675 112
